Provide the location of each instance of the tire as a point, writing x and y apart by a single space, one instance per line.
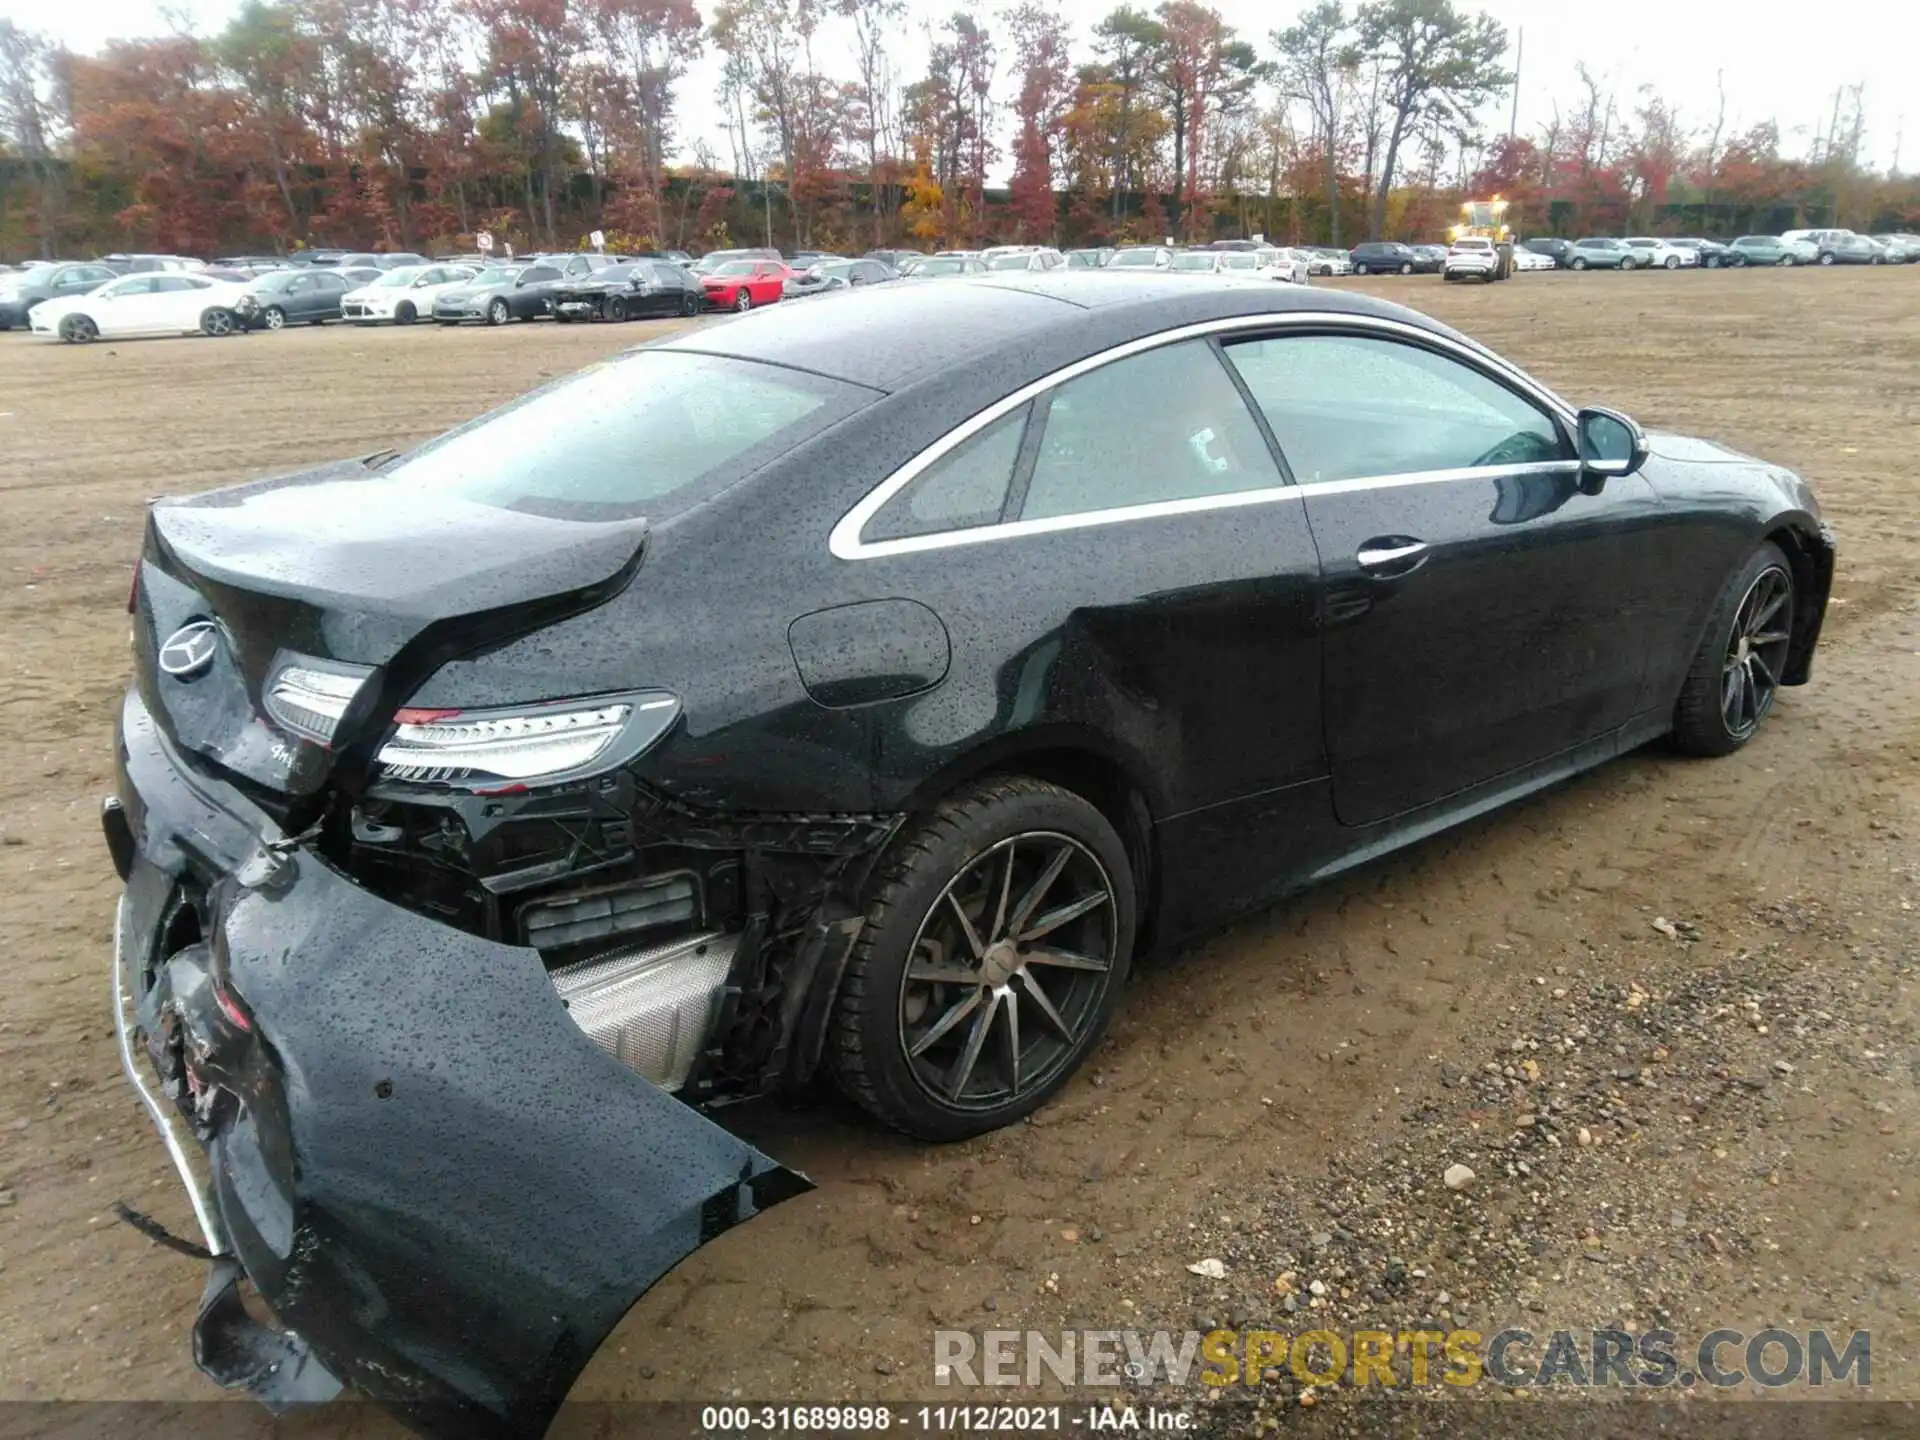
614 309
498 313
404 313
274 318
1359 269
691 305
1714 715
1713 262
1788 261
1579 262
1673 262
562 319
1405 268
743 300
217 322
1827 259
79 330
1876 260
959 851
1629 263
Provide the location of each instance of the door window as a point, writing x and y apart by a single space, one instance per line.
1347 406
1166 424
963 488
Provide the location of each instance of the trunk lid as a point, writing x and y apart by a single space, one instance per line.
342 566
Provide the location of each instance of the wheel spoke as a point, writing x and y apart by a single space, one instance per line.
1730 696
998 927
1061 915
974 947
1768 637
1038 890
935 973
1764 613
1044 1004
1064 959
1765 669
962 1070
945 1023
1010 1002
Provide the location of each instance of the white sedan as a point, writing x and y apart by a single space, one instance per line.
159 303
1525 259
402 296
1656 254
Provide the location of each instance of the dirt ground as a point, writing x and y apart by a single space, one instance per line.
1666 1012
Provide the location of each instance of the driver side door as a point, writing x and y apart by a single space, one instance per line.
1479 607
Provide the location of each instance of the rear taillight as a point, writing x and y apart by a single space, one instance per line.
489 749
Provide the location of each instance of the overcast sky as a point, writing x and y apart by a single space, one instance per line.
1779 61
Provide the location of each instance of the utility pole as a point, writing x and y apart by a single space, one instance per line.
1519 53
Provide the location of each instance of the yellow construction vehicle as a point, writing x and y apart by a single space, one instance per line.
1487 220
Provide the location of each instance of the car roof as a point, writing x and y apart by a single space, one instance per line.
888 341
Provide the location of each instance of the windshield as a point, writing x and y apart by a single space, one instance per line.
1193 262
1241 262
637 435
735 267
1135 258
496 274
276 280
941 267
396 278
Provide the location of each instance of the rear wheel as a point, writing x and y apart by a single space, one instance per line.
994 952
1827 259
497 312
1359 269
78 330
1736 672
217 322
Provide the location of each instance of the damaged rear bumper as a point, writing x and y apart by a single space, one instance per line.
443 1190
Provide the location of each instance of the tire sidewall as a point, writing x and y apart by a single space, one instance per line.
907 890
1700 724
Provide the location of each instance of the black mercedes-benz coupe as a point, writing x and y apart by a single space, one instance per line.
854 688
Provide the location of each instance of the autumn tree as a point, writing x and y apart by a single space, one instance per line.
1044 92
1316 52
1437 64
27 62
872 111
1202 67
1129 44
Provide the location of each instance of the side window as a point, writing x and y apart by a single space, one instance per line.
963 488
1166 424
1347 406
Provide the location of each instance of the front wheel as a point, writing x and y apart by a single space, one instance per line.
1736 672
1788 261
743 301
613 308
404 313
690 304
497 312
1359 269
995 948
274 318
1579 263
79 330
1405 268
1673 262
1827 259
1629 263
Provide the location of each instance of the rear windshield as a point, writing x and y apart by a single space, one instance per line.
648 433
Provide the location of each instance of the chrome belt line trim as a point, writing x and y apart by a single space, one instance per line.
210 1227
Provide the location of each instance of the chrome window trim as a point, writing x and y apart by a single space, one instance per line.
845 541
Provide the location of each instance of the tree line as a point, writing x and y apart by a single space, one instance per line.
415 124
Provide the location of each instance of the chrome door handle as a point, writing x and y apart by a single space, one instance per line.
1392 555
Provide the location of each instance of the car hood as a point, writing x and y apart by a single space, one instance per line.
1692 450
54 309
343 566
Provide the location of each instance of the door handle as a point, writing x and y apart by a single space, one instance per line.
1387 556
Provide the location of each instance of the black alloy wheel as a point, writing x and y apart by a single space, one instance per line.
690 304
994 951
613 308
404 313
1736 673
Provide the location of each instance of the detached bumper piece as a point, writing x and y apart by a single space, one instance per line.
444 1191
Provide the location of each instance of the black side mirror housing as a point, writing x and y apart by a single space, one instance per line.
1611 445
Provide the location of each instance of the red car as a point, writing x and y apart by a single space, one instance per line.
743 284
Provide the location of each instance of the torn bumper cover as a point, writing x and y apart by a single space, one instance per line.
444 1191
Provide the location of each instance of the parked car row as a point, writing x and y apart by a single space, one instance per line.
1796 247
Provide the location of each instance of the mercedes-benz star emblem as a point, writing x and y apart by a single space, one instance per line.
189 650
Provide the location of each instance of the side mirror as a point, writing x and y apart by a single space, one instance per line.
1610 445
